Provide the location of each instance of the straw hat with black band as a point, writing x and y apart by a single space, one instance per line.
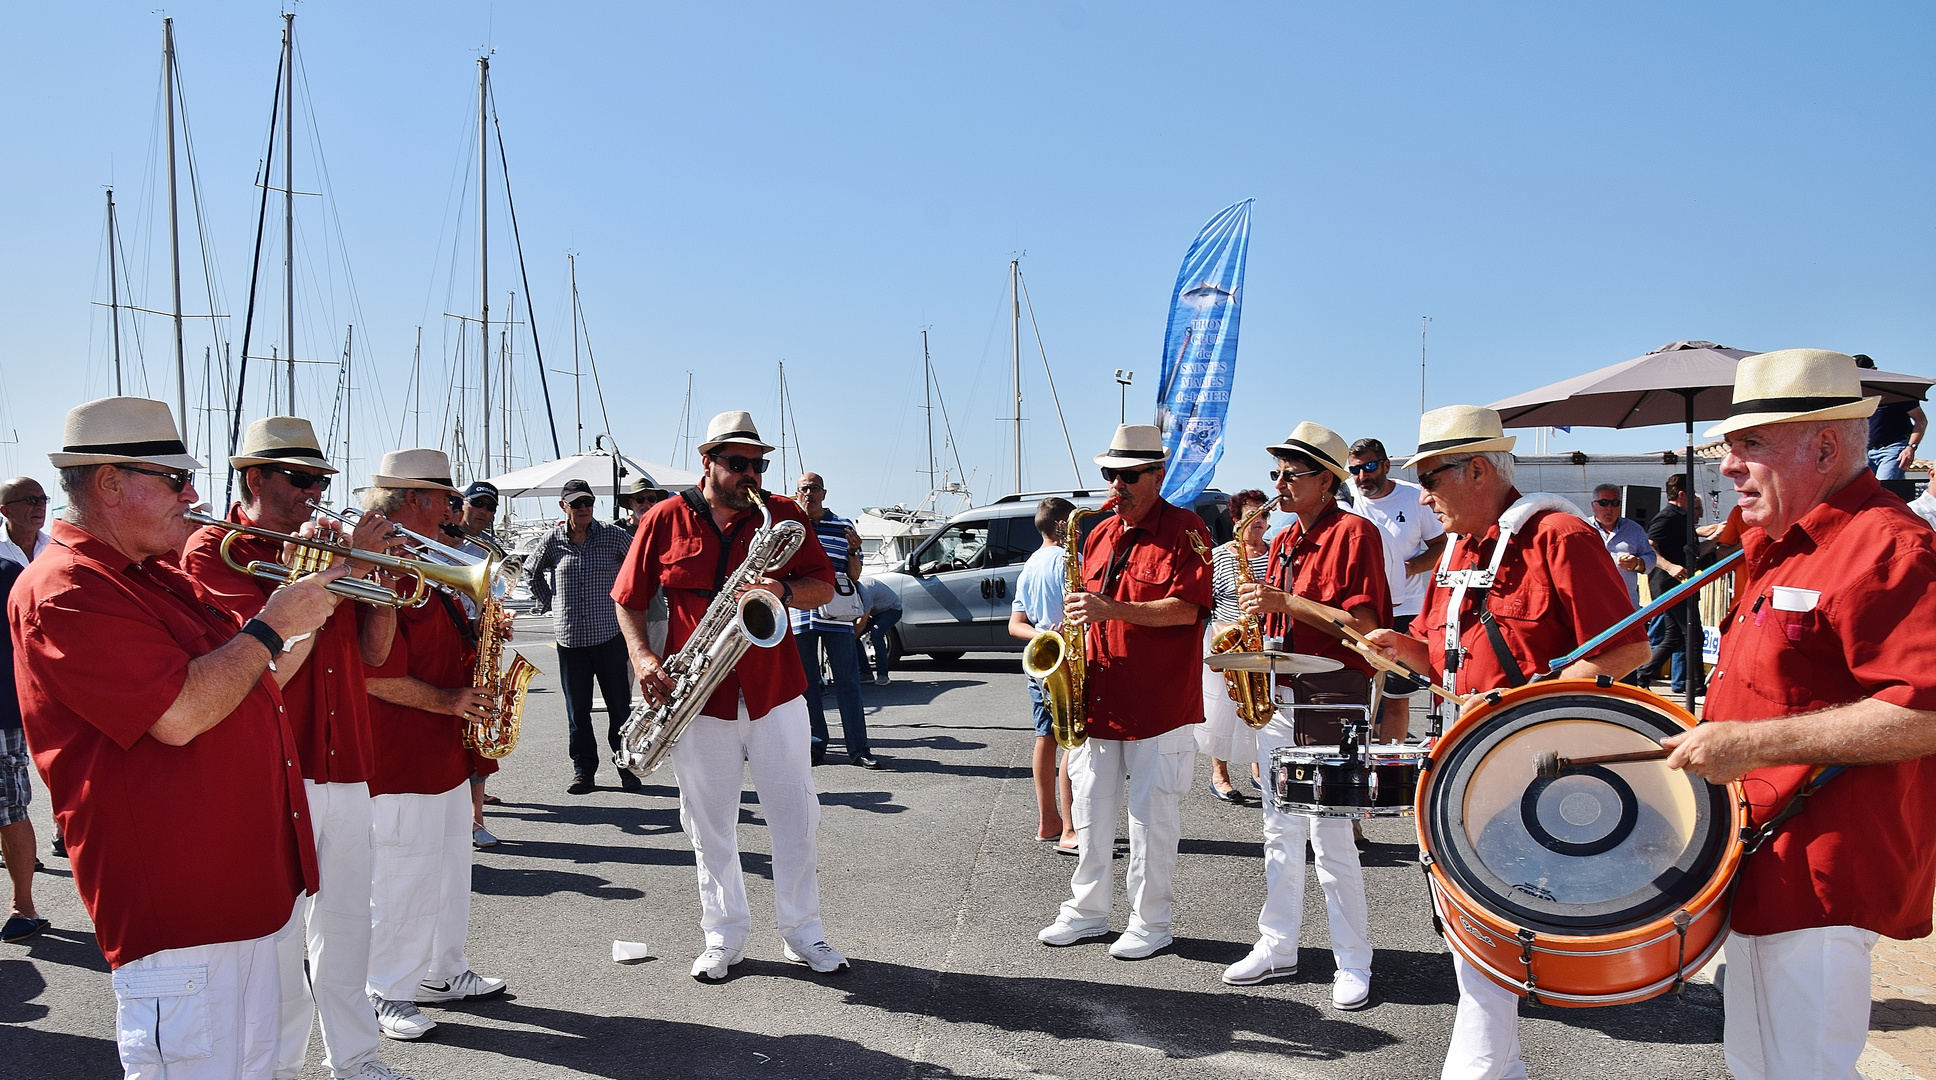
280 440
1459 429
418 468
1791 385
735 427
1320 444
1133 446
118 430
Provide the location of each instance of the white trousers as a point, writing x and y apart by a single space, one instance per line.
1485 1034
1222 734
1157 773
335 925
420 890
1339 874
712 758
207 1012
1797 1004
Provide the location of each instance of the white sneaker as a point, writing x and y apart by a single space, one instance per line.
1135 943
712 963
1064 931
819 956
470 986
481 838
1351 989
375 1070
400 1019
1261 965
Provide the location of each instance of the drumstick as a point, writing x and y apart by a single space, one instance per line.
1548 765
1323 618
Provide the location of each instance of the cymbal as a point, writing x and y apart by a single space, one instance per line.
1277 663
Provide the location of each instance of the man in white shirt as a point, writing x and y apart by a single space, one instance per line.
1413 540
24 505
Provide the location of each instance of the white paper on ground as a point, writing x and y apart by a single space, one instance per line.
629 950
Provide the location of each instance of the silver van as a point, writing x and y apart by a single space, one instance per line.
958 587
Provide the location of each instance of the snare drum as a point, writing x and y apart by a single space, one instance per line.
1607 885
1325 781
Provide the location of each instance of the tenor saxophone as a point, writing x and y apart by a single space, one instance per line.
1251 690
1057 657
731 625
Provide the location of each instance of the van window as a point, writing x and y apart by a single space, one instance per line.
1018 540
962 546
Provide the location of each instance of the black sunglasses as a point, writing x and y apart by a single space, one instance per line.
489 507
1129 476
175 480
1606 502
1369 466
31 500
1286 474
1427 479
737 464
301 481
585 503
815 487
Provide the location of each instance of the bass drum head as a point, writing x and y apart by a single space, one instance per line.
1600 849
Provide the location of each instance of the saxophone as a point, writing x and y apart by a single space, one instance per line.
495 734
732 623
1251 690
1057 658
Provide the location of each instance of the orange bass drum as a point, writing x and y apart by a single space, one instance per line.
1607 885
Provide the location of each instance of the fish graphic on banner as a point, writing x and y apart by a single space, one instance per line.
1200 353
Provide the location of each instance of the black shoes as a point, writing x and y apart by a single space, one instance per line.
581 784
629 780
865 761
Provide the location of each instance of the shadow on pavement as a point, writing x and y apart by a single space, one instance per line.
874 802
70 948
494 881
37 1052
905 691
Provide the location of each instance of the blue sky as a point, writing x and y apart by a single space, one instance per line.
1560 187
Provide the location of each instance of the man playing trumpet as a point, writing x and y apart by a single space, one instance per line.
281 468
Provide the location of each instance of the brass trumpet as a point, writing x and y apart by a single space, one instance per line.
473 581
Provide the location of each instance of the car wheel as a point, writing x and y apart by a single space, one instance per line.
946 656
895 650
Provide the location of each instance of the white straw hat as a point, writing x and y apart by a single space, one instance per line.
1787 385
280 440
419 468
112 430
1459 429
1320 444
1134 445
733 427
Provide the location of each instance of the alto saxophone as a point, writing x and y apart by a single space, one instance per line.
495 734
732 623
1251 690
1057 657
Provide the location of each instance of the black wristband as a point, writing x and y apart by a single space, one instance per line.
786 593
262 632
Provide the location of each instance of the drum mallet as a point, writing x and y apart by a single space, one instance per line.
1549 764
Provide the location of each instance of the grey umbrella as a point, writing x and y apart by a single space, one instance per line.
1684 381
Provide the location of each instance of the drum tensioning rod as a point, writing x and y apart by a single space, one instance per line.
1548 765
1665 599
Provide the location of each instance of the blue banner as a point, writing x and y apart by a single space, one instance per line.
1200 353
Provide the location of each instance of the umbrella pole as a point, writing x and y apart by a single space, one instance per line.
1691 647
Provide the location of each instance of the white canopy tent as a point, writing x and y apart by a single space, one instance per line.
596 467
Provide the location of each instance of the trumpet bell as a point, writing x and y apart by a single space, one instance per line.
473 580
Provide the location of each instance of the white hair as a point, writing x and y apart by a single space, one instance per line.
1502 463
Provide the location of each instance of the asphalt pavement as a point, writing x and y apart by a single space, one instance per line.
931 883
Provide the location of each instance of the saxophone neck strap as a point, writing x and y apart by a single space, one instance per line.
457 617
703 510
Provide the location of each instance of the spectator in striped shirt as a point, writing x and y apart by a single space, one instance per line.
571 576
824 628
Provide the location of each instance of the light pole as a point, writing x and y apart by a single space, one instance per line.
1123 379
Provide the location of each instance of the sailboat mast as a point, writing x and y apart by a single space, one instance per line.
289 202
349 414
927 398
484 248
783 452
1015 341
114 294
577 398
685 424
174 223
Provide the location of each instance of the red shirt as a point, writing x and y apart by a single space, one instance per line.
1863 852
1146 680
678 548
419 752
1339 563
172 846
325 700
1556 588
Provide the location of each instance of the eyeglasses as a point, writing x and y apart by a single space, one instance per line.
1369 466
487 507
585 503
175 480
1426 479
815 487
30 500
1128 476
1286 474
736 464
301 481
1606 502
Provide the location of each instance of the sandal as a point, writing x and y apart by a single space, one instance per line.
22 927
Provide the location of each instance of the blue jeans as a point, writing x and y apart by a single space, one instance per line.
878 624
843 656
1883 460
